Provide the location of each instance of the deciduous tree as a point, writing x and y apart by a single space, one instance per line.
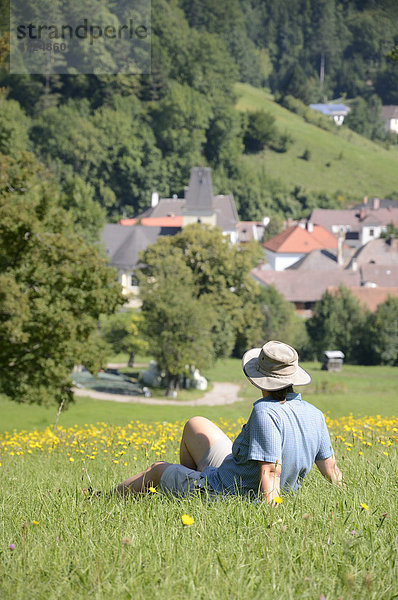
53 288
337 324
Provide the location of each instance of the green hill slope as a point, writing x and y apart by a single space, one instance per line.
344 162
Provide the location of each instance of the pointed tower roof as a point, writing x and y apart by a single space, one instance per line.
199 196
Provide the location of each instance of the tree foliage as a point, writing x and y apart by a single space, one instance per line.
380 344
217 284
178 322
53 288
280 321
337 324
123 331
260 131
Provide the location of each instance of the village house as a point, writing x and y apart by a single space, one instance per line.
167 216
336 112
371 267
287 248
389 115
359 224
199 205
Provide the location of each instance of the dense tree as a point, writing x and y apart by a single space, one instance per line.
280 321
53 288
365 117
88 215
260 131
123 331
178 322
381 334
337 324
221 274
14 127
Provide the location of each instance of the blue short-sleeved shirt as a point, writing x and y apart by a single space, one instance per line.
294 434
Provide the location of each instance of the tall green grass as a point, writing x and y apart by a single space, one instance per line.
319 542
343 162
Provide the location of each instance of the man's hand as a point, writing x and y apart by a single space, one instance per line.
270 476
329 469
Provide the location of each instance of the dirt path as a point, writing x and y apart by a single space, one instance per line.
221 393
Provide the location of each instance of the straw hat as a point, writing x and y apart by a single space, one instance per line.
274 366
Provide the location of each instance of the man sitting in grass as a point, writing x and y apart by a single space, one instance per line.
276 448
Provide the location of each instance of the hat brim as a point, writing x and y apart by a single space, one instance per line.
249 364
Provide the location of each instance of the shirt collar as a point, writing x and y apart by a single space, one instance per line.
290 396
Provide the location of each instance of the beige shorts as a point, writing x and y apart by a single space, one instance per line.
181 481
216 453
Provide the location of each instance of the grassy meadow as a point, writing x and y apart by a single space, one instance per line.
339 161
320 542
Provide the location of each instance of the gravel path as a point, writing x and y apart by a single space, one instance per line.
221 393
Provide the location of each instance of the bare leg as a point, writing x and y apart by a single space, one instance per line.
198 436
139 484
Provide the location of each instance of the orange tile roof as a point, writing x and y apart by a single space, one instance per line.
296 239
175 221
127 222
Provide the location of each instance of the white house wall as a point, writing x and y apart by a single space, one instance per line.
371 233
281 261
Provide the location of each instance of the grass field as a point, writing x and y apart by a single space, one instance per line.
321 542
356 165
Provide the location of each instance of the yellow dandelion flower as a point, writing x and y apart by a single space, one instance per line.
35 522
364 506
385 453
187 520
115 461
71 459
152 490
277 500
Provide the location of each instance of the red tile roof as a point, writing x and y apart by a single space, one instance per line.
175 221
296 239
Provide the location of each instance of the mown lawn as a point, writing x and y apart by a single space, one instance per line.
322 541
343 162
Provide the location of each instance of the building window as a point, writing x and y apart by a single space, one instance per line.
371 232
134 281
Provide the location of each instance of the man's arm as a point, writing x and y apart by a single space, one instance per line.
329 469
270 479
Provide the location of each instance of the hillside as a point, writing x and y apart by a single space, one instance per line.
356 166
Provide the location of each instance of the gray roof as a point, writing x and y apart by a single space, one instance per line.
226 213
320 260
224 207
167 207
309 287
381 275
380 251
199 195
199 200
382 202
390 111
353 217
123 243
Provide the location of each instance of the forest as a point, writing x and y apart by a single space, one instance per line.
128 135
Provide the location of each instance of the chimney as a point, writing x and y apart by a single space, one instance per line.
154 199
186 188
362 214
376 203
365 200
340 244
310 227
354 265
